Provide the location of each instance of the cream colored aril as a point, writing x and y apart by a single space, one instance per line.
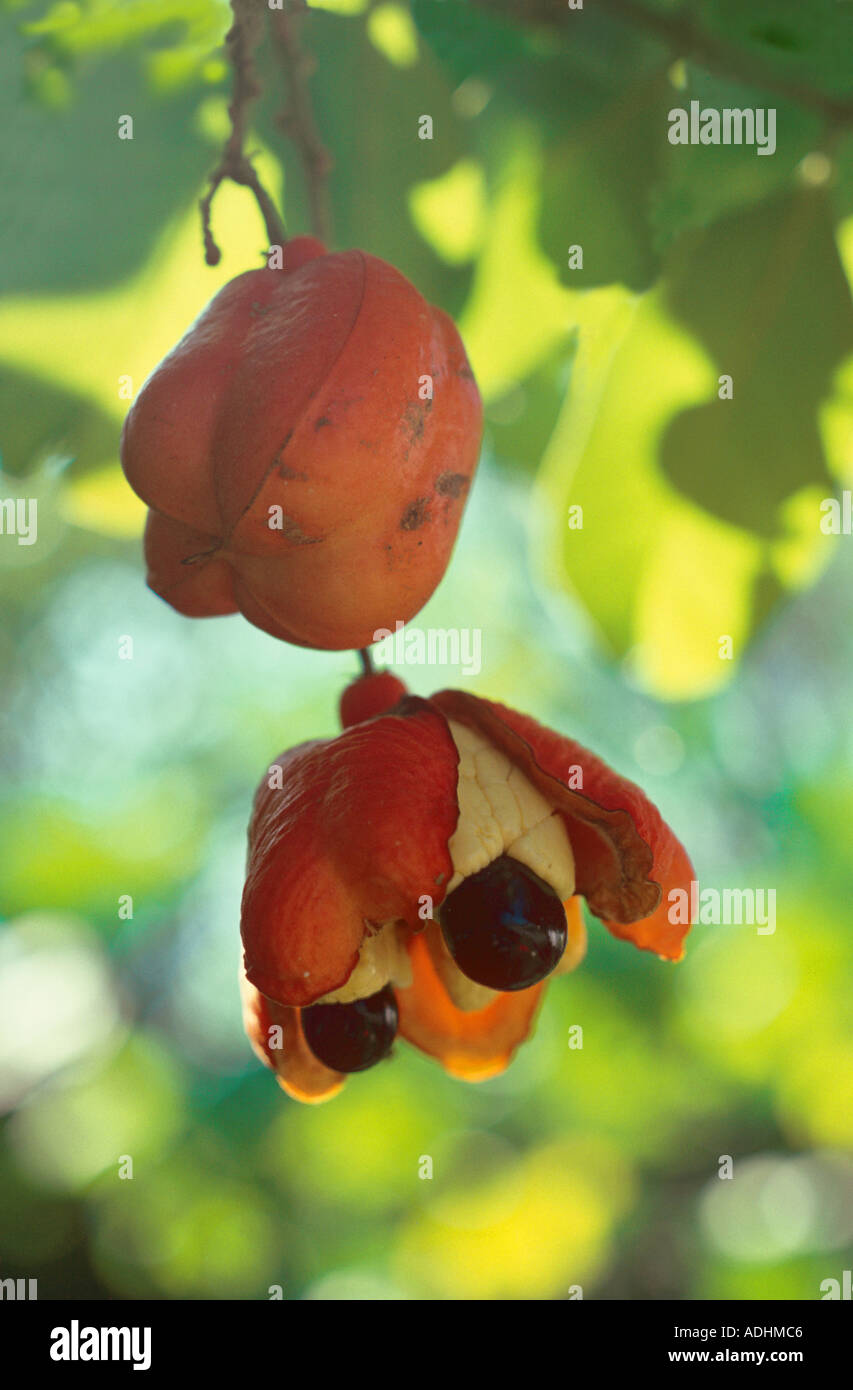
500 812
383 959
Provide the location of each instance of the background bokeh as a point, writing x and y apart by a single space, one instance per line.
701 520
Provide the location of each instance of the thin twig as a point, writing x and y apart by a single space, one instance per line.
297 121
366 661
241 41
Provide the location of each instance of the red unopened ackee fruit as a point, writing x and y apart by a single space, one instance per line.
306 450
368 696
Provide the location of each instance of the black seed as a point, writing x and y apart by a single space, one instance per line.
504 927
352 1037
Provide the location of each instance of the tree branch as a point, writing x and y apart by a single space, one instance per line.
241 41
297 120
686 39
681 33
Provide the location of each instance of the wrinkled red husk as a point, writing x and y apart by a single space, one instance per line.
299 1072
356 836
301 389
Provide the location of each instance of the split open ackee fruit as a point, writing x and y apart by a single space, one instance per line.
422 873
306 450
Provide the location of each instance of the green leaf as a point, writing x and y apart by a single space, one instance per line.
88 207
663 580
469 40
809 43
701 183
513 322
601 457
597 190
841 176
556 74
367 110
39 420
519 424
765 293
585 88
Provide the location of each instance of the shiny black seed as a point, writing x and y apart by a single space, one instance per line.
352 1037
504 927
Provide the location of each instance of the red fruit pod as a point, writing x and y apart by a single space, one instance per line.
306 451
368 696
357 836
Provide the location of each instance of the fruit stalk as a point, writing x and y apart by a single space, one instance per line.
297 120
241 41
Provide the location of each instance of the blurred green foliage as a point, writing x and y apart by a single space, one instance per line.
121 1036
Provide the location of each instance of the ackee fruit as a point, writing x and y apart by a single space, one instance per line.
306 450
422 873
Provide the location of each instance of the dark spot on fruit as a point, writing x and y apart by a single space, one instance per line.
335 409
505 927
451 484
352 1037
414 515
415 418
466 373
292 531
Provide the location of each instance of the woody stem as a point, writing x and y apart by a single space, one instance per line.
241 41
298 121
